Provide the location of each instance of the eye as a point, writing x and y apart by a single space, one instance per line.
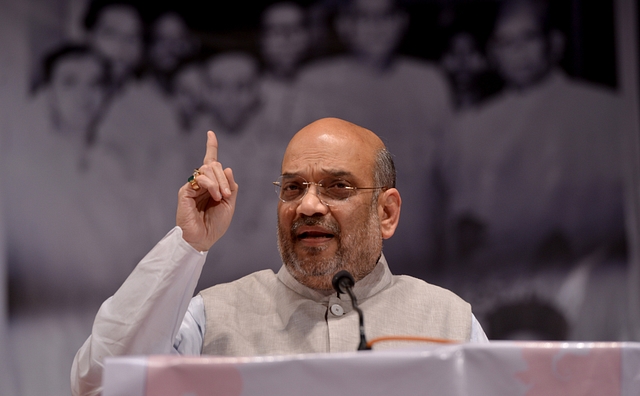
338 184
338 189
291 186
291 189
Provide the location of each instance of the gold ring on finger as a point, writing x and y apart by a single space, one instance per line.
192 179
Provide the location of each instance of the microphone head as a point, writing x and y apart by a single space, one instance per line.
341 280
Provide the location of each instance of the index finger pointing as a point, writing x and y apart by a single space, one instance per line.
212 148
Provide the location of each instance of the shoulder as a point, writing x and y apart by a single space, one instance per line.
419 67
424 308
328 68
590 95
426 293
328 63
256 283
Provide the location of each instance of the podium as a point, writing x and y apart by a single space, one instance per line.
497 368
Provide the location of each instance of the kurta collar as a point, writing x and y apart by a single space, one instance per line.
555 78
376 281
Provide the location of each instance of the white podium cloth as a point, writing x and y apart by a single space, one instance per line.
498 368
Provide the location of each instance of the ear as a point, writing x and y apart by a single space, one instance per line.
403 23
491 55
556 45
389 203
344 28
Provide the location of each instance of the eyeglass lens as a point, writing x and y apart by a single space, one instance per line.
332 190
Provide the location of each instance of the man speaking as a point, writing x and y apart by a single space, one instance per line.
337 203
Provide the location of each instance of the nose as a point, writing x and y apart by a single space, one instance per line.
310 204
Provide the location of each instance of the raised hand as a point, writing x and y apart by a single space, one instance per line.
204 214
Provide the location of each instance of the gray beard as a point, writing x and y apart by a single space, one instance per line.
357 253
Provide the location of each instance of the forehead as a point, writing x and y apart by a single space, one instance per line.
120 18
283 14
372 6
231 68
189 75
320 155
78 65
463 42
516 22
170 25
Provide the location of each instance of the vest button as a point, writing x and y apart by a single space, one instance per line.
336 310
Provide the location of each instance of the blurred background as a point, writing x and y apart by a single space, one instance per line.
513 124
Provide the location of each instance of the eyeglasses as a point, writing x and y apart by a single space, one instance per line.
330 191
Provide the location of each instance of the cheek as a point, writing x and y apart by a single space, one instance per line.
285 216
352 219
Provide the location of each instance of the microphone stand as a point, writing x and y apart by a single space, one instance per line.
343 281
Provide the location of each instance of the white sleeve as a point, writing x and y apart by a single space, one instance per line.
477 333
191 334
144 316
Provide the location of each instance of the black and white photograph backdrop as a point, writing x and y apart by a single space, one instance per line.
513 125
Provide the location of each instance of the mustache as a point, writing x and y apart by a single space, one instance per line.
331 226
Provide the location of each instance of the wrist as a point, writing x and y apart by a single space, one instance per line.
197 245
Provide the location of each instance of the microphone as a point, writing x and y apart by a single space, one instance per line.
343 283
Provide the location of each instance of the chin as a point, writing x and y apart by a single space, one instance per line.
316 282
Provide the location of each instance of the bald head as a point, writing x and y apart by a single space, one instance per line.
339 129
345 141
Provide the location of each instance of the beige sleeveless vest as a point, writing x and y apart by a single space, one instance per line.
266 314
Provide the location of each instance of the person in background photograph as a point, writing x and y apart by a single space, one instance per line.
535 184
254 144
541 160
471 77
115 30
134 150
285 41
76 81
170 41
138 125
66 108
63 235
233 91
185 88
405 99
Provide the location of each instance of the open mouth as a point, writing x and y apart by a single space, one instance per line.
313 232
314 235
